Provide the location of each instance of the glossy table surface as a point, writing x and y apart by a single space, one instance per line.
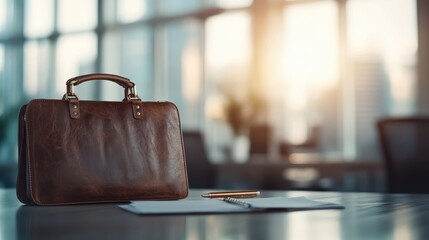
367 216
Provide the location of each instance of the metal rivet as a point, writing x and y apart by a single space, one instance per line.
138 113
74 106
75 113
138 106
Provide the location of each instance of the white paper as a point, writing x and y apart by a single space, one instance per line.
291 203
219 206
183 206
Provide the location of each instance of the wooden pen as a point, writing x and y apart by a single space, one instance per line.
232 194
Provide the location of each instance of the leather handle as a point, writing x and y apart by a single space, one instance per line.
129 86
122 81
130 92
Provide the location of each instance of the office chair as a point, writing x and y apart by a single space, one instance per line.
200 170
260 137
405 148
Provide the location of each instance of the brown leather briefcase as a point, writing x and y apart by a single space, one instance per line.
73 151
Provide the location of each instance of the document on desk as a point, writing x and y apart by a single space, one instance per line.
229 205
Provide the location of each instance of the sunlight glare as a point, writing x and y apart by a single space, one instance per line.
39 16
310 61
131 10
69 21
311 50
76 53
228 40
31 58
297 99
233 4
299 225
390 36
402 225
3 15
191 72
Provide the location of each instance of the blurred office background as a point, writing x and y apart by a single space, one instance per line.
304 80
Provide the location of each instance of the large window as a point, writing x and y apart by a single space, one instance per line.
76 54
300 65
182 69
228 54
382 61
38 18
309 75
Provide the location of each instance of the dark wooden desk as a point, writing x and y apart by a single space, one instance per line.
367 216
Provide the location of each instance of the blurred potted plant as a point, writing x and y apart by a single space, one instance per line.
240 114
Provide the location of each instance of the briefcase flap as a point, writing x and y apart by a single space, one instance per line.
104 155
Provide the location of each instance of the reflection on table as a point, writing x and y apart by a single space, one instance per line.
367 216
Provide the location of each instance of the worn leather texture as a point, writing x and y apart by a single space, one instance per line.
105 155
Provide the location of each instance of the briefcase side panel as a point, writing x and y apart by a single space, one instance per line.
177 173
21 180
106 155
